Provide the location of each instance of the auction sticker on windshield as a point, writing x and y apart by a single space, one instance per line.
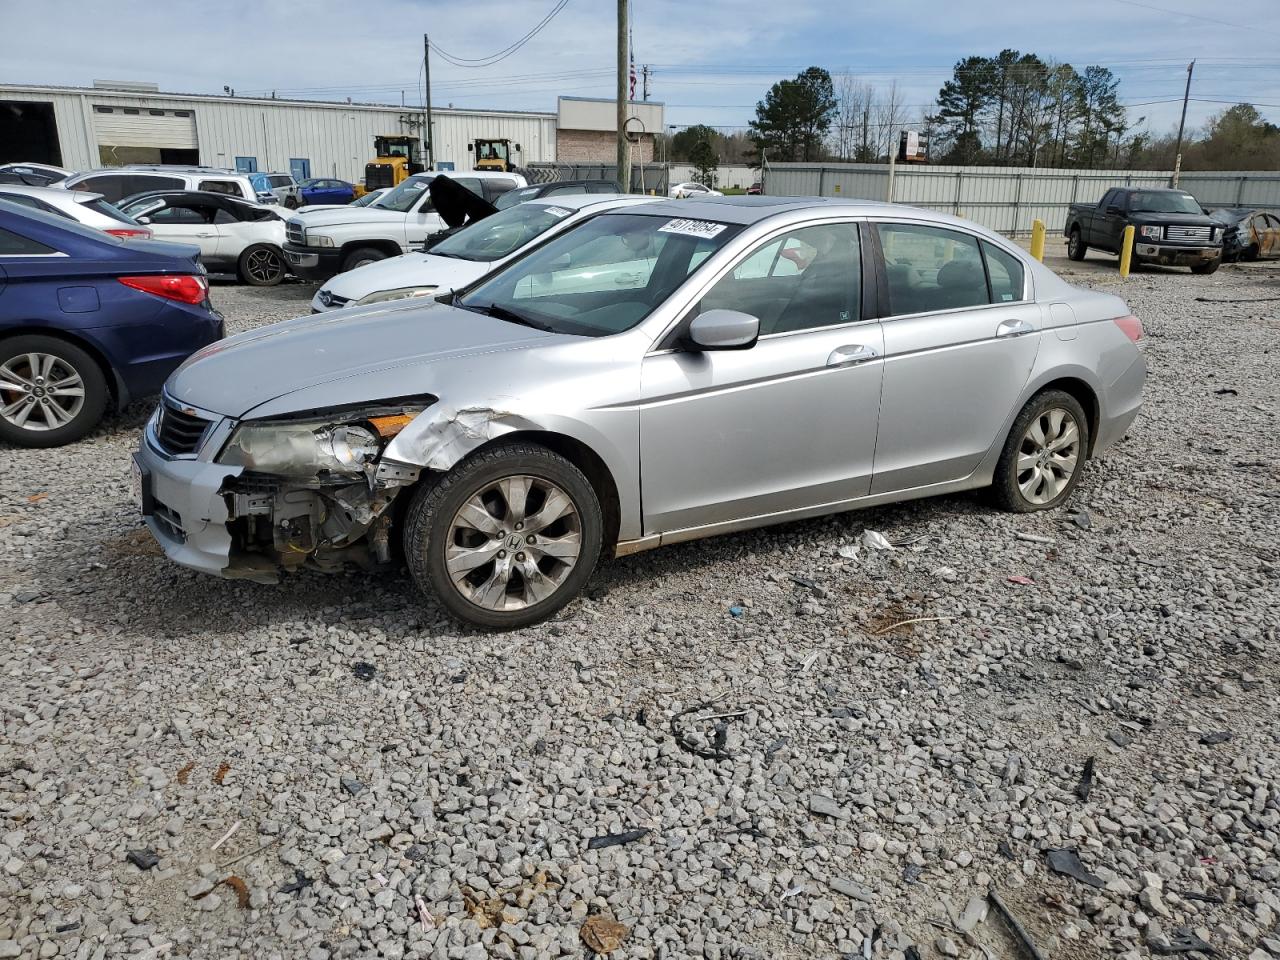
692 228
558 211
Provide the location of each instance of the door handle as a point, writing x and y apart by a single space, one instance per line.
850 354
206 236
1014 328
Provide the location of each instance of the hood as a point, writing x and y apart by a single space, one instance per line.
1175 219
234 376
409 270
322 216
456 204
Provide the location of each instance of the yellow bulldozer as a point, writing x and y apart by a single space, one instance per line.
397 158
493 154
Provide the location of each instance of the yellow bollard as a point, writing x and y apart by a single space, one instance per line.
1037 239
1126 250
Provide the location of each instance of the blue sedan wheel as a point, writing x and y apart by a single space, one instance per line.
51 392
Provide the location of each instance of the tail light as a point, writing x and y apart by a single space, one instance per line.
1132 327
185 288
127 233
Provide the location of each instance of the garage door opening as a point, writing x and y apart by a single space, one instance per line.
28 132
143 135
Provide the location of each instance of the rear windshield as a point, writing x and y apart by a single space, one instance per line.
503 233
107 210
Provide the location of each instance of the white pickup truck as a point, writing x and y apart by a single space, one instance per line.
325 242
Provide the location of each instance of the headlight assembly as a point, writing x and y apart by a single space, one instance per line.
315 240
1152 233
400 293
340 446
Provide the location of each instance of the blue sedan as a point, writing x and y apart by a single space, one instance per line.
319 190
88 321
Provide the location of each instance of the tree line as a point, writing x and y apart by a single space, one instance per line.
1010 109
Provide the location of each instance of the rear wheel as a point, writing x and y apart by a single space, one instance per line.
51 391
1044 455
261 265
506 538
1076 247
291 203
361 256
1210 267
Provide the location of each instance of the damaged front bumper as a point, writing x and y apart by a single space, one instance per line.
225 520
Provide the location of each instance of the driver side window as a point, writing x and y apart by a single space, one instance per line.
178 215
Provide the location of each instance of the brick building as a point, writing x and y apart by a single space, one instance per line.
586 129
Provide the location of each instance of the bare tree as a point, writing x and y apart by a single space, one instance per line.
890 115
853 107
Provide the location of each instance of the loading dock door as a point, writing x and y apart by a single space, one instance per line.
28 132
145 135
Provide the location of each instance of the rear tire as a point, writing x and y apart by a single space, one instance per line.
488 586
1044 455
291 203
67 389
261 265
361 256
1076 247
1210 267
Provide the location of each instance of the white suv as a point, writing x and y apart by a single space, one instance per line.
116 183
328 241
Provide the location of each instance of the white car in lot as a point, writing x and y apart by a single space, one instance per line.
470 253
321 243
78 205
233 236
688 191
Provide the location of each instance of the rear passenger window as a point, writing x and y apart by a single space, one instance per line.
929 268
1005 273
229 187
14 245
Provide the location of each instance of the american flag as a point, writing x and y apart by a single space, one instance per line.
632 94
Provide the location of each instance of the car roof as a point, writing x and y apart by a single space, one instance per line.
159 170
52 194
579 201
200 196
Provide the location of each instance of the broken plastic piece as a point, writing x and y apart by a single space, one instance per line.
874 540
1021 580
143 859
1085 786
300 882
1215 738
364 671
736 611
616 839
1067 862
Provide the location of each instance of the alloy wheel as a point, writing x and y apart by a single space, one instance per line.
1048 456
40 391
264 266
513 543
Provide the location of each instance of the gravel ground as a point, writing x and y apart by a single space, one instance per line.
330 768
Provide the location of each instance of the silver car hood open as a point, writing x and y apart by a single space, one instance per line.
234 376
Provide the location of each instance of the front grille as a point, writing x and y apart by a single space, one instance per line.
294 233
170 521
179 432
1188 233
333 300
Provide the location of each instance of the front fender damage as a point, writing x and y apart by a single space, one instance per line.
278 524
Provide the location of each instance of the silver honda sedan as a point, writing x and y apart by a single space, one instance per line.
654 375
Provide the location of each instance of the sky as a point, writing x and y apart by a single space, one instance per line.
711 61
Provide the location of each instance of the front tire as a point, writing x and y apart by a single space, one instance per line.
51 392
261 265
361 256
1205 268
506 538
1044 454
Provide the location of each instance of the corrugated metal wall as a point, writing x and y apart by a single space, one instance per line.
1009 198
336 138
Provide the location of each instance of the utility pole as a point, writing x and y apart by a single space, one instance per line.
1177 152
644 71
427 155
624 148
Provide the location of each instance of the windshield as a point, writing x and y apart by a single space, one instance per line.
1162 201
513 197
368 200
403 197
502 233
603 276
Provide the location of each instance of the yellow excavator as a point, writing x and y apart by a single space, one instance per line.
493 154
397 158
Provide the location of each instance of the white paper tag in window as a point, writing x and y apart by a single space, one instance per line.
558 211
703 229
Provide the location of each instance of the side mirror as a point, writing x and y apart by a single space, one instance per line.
1114 211
723 330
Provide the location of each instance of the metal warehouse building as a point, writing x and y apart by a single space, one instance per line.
111 124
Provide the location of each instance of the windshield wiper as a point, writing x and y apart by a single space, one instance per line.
502 313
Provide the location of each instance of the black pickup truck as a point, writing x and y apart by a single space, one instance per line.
1169 226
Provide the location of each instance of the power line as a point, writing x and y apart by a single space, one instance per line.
477 62
1251 28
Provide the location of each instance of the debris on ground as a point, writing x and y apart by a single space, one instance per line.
1014 926
143 859
737 611
363 671
185 772
241 890
1183 940
719 734
220 774
848 551
227 836
1067 862
1227 392
874 540
603 934
299 883
351 785
1021 580
1081 518
1085 786
1215 738
1033 538
616 839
